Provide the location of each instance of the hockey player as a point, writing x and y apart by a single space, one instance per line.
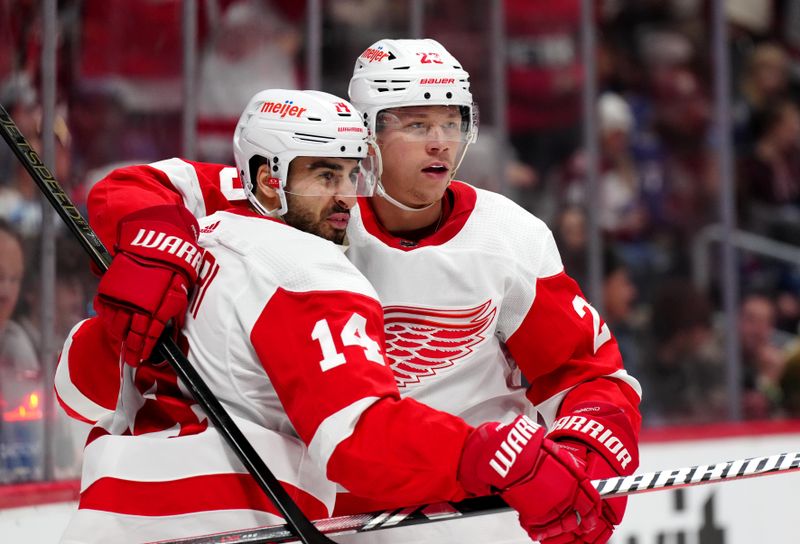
453 262
289 335
474 293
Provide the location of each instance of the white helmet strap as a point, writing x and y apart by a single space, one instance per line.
381 191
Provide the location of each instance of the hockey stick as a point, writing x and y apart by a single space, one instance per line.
298 524
608 488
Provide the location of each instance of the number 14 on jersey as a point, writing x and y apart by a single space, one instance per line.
354 333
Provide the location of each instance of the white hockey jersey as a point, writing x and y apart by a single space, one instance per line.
479 304
480 319
288 335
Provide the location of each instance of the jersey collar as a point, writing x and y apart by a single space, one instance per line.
463 198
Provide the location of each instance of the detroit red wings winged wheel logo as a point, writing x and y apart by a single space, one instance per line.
422 341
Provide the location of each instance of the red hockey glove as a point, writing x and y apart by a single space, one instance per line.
612 510
544 483
149 279
599 434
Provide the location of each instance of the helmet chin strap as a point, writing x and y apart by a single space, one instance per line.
386 196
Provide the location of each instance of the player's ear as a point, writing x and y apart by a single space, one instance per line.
266 190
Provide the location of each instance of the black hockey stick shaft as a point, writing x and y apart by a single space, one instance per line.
608 488
297 521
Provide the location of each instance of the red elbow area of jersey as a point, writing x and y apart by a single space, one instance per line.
402 450
125 191
562 341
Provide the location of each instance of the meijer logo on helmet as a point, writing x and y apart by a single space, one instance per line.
282 109
374 55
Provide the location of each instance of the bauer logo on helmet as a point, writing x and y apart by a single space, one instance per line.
437 81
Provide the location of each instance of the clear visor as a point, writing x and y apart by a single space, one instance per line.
451 124
334 176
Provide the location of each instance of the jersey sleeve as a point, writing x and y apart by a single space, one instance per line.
202 188
87 379
573 363
323 352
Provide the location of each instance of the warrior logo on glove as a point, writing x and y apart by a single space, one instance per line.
173 245
517 438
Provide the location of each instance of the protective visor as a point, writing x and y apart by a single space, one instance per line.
452 124
453 127
335 176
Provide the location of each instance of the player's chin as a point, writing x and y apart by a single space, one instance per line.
330 233
424 194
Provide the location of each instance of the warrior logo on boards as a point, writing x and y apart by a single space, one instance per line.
422 341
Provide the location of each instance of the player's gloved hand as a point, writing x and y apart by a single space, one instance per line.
148 283
546 484
600 434
597 467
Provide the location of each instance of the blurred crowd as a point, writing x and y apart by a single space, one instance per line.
119 94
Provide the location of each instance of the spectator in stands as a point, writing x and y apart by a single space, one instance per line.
20 386
71 298
73 283
17 354
545 80
764 81
619 296
18 96
622 213
790 383
133 51
619 293
770 175
126 68
254 46
763 361
570 234
682 117
20 202
787 300
683 370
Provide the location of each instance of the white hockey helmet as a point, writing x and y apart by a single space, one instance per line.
400 73
279 125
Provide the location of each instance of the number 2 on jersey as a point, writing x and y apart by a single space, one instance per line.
354 333
602 334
